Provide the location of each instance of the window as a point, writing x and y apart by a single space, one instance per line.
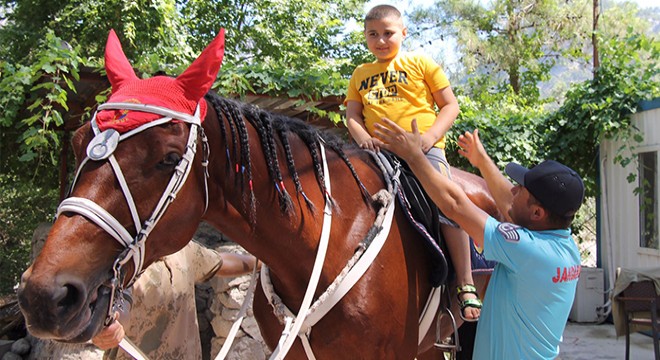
648 200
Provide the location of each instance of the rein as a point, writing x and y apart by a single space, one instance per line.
101 148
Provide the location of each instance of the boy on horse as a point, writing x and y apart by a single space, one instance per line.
402 87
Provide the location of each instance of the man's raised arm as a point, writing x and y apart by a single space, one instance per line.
498 185
446 194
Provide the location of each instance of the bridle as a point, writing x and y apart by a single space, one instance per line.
101 148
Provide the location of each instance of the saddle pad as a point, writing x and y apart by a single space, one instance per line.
427 219
423 215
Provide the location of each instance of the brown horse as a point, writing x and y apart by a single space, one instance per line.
259 179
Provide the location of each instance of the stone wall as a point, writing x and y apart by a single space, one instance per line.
218 303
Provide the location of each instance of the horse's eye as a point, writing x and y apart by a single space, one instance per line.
171 160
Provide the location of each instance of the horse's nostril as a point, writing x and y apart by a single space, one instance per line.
70 296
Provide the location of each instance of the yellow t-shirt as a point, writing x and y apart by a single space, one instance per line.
399 90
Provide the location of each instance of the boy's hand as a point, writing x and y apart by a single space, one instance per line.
427 141
397 140
110 336
472 148
371 143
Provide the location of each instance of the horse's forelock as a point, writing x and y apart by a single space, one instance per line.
78 141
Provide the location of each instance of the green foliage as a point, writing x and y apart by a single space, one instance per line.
278 33
507 127
42 88
315 82
513 43
600 108
146 27
22 206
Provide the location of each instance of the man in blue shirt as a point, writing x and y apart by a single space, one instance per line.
533 285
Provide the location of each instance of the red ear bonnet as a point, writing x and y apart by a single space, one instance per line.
180 94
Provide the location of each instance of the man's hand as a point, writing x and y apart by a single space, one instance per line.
110 336
397 140
472 148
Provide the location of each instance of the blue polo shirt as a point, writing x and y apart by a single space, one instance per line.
530 293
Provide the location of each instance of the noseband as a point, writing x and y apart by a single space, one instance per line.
101 148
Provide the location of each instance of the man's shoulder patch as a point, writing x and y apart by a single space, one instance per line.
509 231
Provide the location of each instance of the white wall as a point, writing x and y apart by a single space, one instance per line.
620 206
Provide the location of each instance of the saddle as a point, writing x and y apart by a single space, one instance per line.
422 213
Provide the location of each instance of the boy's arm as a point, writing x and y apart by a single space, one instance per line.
448 111
357 129
499 186
446 194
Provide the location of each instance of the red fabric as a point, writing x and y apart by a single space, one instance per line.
159 90
179 94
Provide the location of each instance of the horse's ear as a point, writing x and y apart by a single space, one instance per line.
117 67
200 75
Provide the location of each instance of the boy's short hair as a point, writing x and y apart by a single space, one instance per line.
380 12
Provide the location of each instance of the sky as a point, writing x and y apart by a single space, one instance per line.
445 49
403 5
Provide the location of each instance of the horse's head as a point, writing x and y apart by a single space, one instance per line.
135 159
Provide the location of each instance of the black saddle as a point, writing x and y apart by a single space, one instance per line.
423 214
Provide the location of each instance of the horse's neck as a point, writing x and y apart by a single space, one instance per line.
280 239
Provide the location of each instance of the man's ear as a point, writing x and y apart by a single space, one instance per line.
405 32
538 212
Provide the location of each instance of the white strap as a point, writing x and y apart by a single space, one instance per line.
304 338
128 346
241 315
126 191
356 272
430 310
286 341
192 119
106 221
98 215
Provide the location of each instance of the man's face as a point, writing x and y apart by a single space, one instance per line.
384 37
521 210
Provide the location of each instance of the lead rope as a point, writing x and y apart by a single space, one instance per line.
132 349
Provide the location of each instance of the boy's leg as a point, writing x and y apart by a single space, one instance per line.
459 250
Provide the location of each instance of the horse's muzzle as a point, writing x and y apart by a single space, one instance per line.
61 307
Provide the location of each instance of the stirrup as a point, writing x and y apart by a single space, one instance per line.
473 303
439 343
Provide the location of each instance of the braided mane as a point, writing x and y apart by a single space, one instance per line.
269 126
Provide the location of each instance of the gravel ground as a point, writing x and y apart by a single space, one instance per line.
598 341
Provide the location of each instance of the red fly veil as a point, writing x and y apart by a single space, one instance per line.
181 94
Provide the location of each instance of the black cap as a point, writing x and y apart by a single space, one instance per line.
556 186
